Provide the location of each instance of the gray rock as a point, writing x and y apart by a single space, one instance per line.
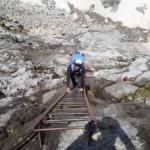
148 65
147 101
111 4
5 117
48 96
8 24
136 68
145 77
119 89
19 38
6 101
32 91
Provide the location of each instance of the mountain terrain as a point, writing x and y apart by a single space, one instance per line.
36 37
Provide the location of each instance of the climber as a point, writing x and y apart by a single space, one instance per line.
75 72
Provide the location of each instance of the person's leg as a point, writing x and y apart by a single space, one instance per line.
79 84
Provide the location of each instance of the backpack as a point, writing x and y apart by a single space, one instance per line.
76 56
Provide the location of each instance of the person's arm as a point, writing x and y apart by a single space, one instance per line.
82 77
68 76
68 79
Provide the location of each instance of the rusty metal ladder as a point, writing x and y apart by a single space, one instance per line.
66 109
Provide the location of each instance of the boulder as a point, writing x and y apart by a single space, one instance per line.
119 90
47 96
49 84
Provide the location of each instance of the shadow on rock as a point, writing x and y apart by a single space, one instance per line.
108 130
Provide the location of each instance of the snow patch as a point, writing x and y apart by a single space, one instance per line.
131 13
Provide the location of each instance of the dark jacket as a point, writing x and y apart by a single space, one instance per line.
70 75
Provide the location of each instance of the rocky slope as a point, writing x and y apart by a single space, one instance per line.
35 39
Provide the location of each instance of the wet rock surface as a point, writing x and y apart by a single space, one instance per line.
35 41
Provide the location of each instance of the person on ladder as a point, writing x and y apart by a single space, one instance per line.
76 72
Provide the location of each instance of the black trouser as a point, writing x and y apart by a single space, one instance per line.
76 80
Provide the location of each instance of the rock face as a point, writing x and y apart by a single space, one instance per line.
42 40
119 90
35 40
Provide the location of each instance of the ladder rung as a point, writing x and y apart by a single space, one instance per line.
53 129
59 114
